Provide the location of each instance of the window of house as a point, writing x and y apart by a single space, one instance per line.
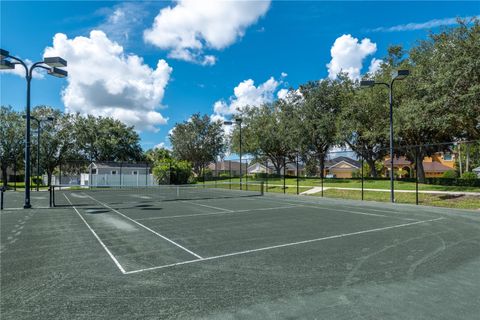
113 172
135 172
447 156
94 171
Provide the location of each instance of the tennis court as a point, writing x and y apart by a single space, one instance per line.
222 253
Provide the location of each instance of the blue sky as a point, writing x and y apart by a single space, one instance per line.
214 57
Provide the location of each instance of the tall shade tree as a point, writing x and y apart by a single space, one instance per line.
57 142
267 132
11 139
107 139
198 140
363 124
317 116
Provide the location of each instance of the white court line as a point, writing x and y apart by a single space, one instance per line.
322 207
284 245
206 206
220 212
146 228
98 238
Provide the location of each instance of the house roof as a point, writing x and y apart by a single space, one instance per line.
227 165
335 161
118 165
435 167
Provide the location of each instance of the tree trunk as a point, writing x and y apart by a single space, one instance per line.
322 165
420 169
373 169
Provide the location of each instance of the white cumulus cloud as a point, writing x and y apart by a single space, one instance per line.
348 54
105 81
375 65
191 26
247 94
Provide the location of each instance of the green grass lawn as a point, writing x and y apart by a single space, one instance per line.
450 201
368 184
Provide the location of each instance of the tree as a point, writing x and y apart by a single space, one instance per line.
267 132
58 142
11 139
198 140
317 117
363 124
157 155
106 139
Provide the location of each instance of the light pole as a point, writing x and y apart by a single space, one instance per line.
396 75
238 121
54 64
39 132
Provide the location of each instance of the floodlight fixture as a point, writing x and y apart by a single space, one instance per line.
227 123
367 83
55 62
56 72
6 65
400 74
4 54
238 120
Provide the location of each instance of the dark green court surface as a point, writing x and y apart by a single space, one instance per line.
128 256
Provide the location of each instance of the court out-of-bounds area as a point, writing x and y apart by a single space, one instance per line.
230 254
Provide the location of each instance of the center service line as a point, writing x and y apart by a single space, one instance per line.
146 228
284 245
119 266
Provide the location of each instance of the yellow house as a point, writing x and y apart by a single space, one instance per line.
433 166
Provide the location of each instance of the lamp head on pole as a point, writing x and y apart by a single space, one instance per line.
6 65
367 83
400 74
238 120
56 72
55 62
227 123
4 54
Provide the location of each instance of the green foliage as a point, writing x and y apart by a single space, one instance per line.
11 139
173 172
469 176
198 141
157 155
450 174
106 139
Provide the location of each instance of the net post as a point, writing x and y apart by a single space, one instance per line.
50 200
121 165
2 190
230 173
53 197
284 172
15 175
266 175
362 176
261 188
297 174
246 174
322 169
416 176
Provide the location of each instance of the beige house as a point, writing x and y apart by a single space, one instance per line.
341 167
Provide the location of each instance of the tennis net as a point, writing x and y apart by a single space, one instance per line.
84 195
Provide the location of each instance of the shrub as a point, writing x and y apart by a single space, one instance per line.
450 174
173 172
469 176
